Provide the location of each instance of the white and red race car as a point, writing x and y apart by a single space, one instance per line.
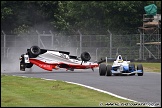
54 59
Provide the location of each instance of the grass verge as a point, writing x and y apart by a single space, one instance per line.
34 92
150 67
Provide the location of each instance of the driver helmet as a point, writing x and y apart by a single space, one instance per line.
120 60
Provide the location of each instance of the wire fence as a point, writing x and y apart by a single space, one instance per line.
98 46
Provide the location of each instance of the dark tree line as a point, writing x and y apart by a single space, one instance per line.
90 17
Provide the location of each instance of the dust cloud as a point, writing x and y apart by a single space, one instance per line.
18 44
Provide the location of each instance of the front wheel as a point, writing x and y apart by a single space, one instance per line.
108 70
102 69
140 67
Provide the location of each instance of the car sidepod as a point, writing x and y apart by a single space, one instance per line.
125 68
132 69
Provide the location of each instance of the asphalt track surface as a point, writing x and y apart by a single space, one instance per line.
146 88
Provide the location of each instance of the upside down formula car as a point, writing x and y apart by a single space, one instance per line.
55 59
120 67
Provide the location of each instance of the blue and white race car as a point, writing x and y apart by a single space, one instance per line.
120 67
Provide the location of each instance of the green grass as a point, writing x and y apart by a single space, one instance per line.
18 91
150 67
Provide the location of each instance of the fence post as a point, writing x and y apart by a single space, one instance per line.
117 51
7 52
80 41
77 51
38 38
140 50
110 43
52 37
96 54
4 43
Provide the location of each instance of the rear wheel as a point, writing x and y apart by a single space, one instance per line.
34 51
85 56
108 70
102 69
140 67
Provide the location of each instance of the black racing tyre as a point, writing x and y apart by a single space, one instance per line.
22 66
35 50
29 65
102 69
140 67
108 70
85 56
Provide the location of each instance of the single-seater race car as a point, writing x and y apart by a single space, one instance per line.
120 67
55 59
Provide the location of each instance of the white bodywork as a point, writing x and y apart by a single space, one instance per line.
54 57
122 67
119 62
26 58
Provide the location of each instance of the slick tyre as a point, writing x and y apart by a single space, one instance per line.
108 70
35 50
22 66
85 56
102 69
140 67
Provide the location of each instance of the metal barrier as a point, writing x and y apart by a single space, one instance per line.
97 45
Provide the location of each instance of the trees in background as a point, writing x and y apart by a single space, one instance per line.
90 17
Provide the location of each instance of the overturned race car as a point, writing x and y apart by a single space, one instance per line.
55 59
120 67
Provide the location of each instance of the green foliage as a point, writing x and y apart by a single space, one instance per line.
90 17
5 12
21 29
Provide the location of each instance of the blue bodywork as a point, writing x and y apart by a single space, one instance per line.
125 70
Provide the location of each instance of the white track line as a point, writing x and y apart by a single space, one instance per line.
89 88
93 89
101 91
